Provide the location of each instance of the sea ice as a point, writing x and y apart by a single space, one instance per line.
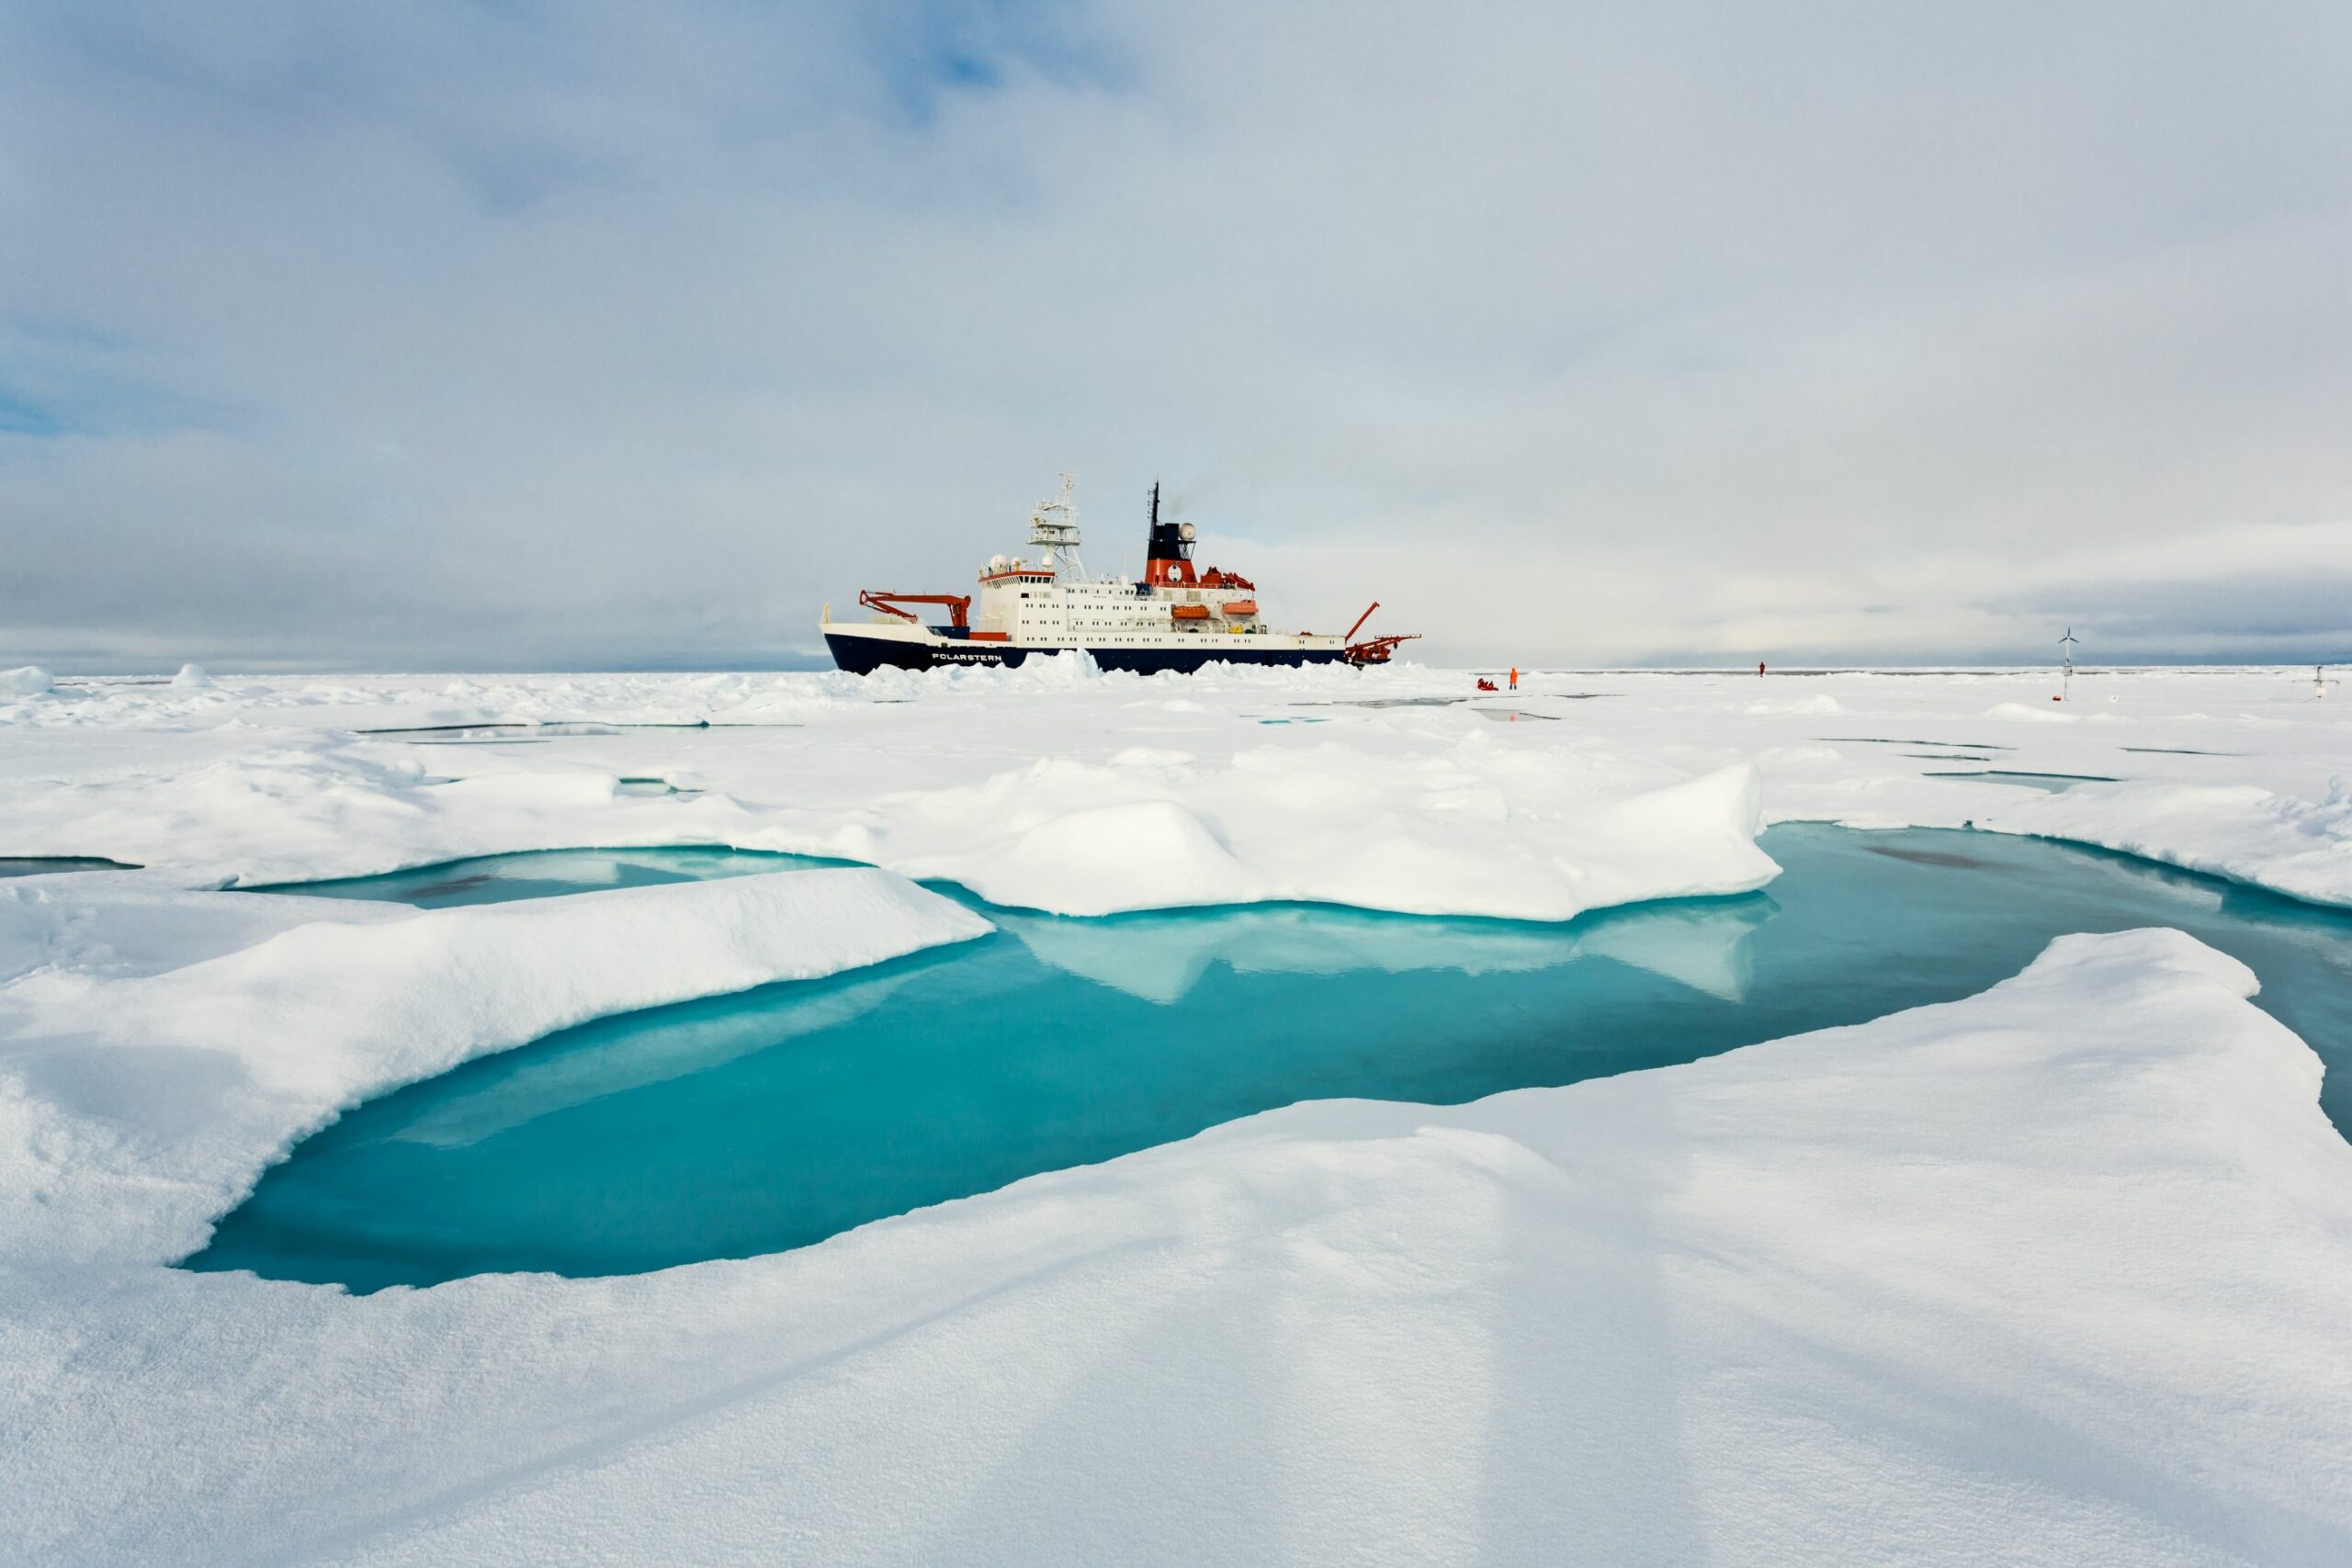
2057 1273
1031 790
247 1050
252 783
2301 847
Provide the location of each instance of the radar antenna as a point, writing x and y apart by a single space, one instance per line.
1054 526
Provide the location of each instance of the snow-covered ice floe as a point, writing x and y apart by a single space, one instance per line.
2057 1273
2301 847
1472 829
150 1093
1447 821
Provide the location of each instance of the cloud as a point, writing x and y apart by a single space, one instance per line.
482 336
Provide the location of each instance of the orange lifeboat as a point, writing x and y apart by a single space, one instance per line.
1240 608
1191 612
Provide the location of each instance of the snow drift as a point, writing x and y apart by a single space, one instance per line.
1473 829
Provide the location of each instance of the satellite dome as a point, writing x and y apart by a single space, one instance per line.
1185 532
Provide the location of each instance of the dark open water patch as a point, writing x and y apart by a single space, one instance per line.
542 874
2026 778
43 865
512 733
504 730
1884 741
741 1124
1931 857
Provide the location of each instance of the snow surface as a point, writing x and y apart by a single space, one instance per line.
1001 785
134 1103
2055 1274
1577 791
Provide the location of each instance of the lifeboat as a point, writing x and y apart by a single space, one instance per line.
1191 612
1239 607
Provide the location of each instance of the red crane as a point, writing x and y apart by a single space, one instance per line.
959 605
1371 649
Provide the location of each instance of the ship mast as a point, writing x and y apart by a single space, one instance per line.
1054 526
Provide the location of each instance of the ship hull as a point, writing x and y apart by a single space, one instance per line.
862 655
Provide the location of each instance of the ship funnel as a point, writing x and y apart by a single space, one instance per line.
1168 558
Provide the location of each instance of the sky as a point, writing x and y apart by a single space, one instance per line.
589 335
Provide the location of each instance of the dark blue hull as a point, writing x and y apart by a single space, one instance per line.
863 655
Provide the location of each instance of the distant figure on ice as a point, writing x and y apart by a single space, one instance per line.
1759 669
1485 684
1514 677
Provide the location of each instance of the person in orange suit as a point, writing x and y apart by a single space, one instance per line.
1514 677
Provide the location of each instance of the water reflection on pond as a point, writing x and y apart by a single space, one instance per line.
749 1124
